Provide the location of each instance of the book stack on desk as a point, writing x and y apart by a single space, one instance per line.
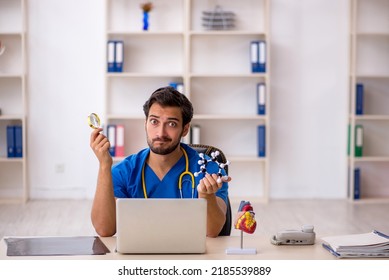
366 245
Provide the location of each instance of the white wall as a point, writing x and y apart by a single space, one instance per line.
66 46
309 96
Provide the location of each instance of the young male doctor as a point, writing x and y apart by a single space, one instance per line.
155 172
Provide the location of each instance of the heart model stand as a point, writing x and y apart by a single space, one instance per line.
245 222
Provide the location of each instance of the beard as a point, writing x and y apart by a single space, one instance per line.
163 150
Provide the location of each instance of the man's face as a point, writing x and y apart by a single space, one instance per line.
164 129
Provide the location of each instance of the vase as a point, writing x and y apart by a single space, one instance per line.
145 20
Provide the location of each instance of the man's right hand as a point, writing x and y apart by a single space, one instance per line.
100 146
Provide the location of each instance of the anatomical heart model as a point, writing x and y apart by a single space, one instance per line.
245 222
245 218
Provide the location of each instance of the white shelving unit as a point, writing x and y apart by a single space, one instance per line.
369 44
13 183
214 67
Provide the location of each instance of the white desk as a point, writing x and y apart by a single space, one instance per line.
216 248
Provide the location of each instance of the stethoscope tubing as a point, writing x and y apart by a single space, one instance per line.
186 172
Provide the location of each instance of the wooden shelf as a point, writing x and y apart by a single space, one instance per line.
369 41
223 100
371 159
13 95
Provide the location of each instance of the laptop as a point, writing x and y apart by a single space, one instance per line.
161 226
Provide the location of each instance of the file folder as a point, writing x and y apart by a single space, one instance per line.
111 135
195 134
261 98
178 86
10 141
258 56
18 141
348 139
119 140
358 140
261 141
111 56
359 99
357 183
119 55
254 46
262 56
373 244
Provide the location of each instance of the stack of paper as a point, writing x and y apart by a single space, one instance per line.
366 245
218 19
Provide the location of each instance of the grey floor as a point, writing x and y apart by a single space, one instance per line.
329 217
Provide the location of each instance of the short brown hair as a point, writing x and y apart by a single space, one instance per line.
170 97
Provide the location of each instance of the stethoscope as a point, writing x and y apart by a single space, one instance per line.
186 172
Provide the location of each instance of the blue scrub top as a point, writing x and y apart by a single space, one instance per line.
127 177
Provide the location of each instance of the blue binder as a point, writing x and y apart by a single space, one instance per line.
10 141
18 141
261 141
258 56
359 99
177 86
357 183
261 98
111 56
119 56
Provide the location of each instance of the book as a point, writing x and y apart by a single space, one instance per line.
358 140
373 244
359 99
261 99
261 141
